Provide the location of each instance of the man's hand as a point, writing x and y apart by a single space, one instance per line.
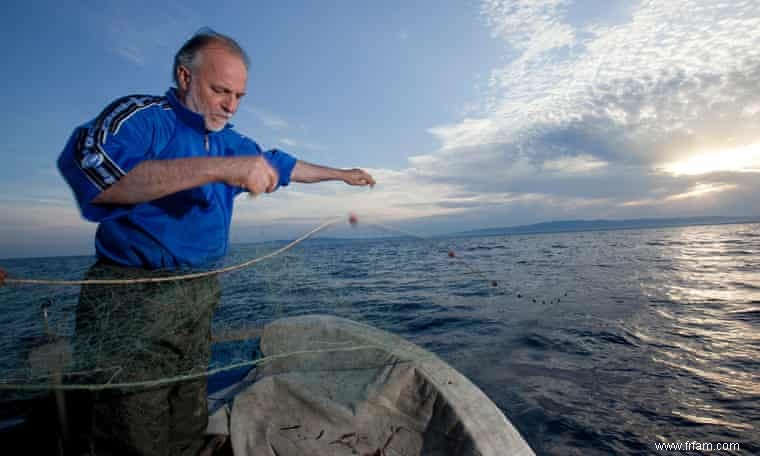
358 176
254 174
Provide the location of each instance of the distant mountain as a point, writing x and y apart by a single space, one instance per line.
564 226
598 225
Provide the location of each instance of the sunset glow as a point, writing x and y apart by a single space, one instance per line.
742 159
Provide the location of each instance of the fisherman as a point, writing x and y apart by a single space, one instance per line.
159 174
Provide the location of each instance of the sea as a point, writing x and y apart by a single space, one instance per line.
594 343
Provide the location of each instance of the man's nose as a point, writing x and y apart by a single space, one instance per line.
230 104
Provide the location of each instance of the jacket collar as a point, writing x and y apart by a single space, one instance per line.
191 118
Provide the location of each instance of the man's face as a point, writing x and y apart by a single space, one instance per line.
215 86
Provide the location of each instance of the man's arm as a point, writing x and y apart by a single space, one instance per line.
153 179
309 173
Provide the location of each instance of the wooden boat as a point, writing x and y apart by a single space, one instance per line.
332 386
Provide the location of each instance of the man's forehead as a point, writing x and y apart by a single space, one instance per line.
222 62
218 51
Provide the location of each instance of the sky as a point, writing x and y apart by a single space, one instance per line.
470 114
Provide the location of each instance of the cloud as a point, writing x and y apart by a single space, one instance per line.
43 227
698 190
130 52
532 27
742 159
652 109
269 119
701 189
579 164
398 195
144 35
612 110
401 198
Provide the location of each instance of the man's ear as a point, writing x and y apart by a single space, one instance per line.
183 78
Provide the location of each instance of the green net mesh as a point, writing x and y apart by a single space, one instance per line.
134 335
295 321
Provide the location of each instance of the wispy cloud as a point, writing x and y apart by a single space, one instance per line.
397 197
298 145
599 108
130 52
268 119
43 227
22 200
533 26
156 31
651 109
401 196
698 190
579 164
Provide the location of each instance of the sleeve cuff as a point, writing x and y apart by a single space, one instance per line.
283 163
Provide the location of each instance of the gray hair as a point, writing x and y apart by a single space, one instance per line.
187 55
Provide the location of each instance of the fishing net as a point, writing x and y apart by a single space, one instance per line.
239 334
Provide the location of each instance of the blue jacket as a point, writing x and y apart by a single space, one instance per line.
187 229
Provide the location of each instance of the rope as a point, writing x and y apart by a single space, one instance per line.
322 227
195 275
4 386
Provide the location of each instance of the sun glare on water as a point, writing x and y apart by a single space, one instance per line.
744 159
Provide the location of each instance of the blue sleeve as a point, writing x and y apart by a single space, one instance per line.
282 162
103 151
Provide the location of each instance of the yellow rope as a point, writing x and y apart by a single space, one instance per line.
195 275
9 385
